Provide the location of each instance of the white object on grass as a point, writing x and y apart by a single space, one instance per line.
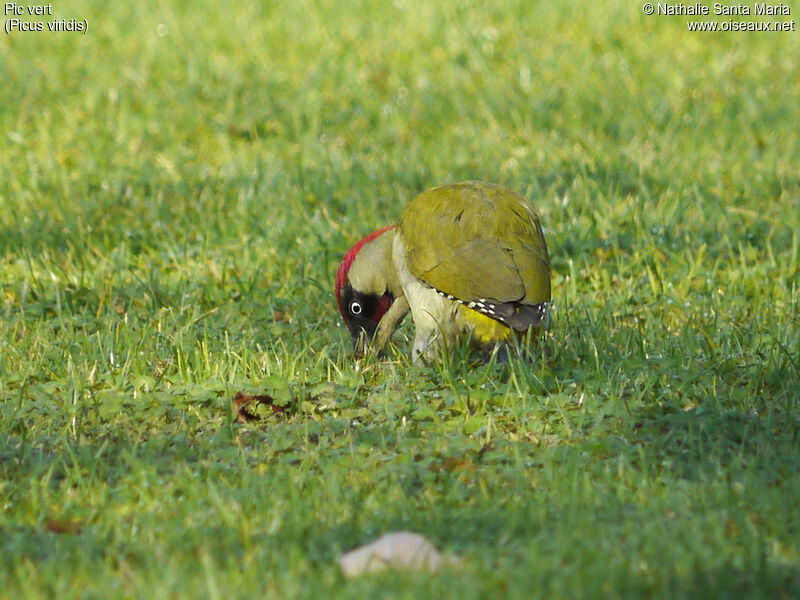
400 549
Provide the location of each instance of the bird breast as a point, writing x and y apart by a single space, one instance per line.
425 302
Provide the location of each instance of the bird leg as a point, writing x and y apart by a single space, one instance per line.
390 321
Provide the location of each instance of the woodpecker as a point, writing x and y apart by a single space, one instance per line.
465 258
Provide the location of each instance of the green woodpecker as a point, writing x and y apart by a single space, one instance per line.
466 258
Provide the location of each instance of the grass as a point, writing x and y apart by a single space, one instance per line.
177 187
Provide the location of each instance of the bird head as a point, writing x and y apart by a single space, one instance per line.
366 284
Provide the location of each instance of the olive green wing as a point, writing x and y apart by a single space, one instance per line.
481 244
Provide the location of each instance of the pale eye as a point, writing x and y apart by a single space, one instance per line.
355 308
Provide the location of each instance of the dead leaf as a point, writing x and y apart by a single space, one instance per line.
59 526
397 550
449 464
241 400
242 414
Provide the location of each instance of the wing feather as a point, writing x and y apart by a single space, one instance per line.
479 242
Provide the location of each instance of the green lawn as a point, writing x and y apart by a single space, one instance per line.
177 187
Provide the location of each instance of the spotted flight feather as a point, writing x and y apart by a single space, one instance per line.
535 314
